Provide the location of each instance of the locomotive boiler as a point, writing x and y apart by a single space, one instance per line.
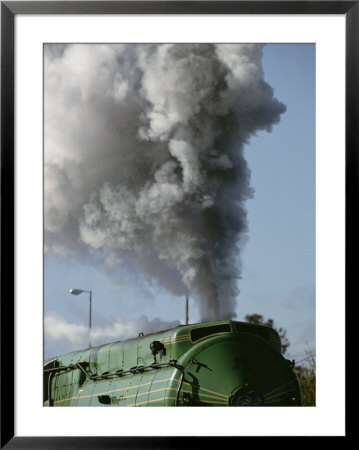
224 363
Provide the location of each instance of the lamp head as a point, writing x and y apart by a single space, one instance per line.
76 291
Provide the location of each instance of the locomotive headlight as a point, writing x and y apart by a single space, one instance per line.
245 397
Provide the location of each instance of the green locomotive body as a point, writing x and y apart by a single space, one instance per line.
225 363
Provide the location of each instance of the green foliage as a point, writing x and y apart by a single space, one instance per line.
307 379
259 320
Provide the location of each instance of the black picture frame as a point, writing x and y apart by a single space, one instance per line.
9 10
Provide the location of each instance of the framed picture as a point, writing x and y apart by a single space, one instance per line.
127 130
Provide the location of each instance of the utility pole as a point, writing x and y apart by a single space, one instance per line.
78 292
187 308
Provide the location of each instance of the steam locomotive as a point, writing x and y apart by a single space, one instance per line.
224 363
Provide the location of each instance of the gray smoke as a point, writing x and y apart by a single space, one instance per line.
144 159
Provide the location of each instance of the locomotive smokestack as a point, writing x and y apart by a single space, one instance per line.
187 309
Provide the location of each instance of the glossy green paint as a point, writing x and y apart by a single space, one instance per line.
202 364
220 366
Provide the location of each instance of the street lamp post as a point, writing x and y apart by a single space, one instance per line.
78 292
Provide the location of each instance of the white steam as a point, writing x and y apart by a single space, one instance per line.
144 159
58 329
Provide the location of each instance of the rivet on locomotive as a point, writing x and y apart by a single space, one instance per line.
225 363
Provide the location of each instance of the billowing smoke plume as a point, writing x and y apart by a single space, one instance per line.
144 159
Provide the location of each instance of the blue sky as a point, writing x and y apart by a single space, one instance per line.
278 259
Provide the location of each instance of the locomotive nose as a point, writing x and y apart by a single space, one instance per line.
267 378
240 371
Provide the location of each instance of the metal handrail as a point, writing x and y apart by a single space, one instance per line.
135 369
70 366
